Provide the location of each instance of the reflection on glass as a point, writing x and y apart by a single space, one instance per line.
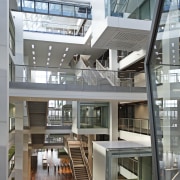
55 9
41 7
164 72
133 9
94 115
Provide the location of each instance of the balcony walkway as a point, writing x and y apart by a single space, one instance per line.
73 84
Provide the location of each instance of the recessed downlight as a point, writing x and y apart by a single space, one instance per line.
47 63
50 47
60 64
34 58
62 60
49 53
64 55
33 52
67 49
32 46
48 59
34 62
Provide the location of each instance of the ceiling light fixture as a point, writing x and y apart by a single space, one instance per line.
34 62
34 58
47 63
60 64
67 49
33 52
32 46
49 53
48 59
50 47
62 60
64 55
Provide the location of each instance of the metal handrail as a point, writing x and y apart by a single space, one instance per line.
135 125
54 28
67 76
124 162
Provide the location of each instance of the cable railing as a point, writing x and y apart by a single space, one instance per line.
140 126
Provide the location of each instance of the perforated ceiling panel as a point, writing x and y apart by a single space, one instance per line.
130 36
129 39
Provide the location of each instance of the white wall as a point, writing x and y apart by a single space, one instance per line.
139 138
99 22
141 112
99 162
75 112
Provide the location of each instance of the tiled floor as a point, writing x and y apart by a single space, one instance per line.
54 162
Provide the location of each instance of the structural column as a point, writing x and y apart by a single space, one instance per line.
26 163
113 128
113 64
91 138
4 87
19 144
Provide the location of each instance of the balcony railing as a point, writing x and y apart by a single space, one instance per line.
45 26
53 139
140 126
77 79
59 121
130 164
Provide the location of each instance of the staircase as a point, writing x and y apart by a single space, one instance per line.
79 167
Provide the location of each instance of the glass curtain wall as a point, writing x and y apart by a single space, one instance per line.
163 75
134 9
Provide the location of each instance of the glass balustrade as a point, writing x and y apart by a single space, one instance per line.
74 77
45 26
135 125
58 8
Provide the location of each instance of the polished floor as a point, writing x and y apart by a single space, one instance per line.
55 169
